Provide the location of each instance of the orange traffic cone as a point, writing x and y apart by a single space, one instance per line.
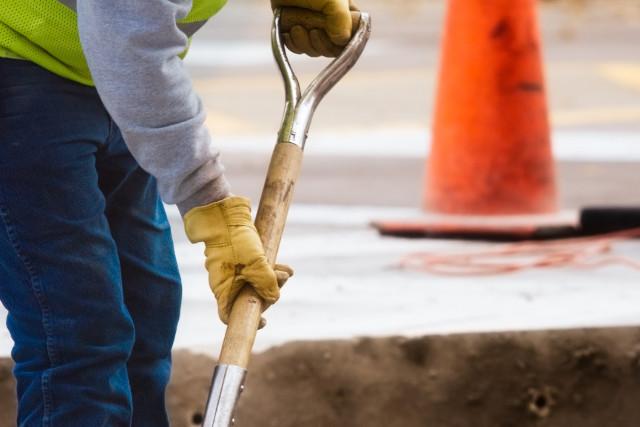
491 152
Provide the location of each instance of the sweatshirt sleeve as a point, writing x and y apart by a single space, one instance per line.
132 49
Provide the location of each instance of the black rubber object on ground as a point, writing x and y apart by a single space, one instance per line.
607 219
592 221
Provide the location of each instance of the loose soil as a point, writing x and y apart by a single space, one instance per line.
577 378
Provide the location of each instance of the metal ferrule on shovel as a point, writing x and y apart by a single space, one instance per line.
277 194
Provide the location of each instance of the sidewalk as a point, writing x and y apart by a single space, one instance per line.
346 285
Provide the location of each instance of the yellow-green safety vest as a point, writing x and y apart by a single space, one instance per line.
46 33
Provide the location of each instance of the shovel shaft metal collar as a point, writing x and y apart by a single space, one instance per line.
299 108
227 384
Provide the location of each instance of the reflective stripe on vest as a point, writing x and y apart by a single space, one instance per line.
189 28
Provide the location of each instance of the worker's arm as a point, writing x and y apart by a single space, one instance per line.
132 49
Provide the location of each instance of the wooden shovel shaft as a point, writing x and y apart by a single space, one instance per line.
277 195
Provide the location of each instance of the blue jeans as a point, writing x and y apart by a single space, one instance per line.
87 269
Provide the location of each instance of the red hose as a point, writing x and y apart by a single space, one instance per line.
581 252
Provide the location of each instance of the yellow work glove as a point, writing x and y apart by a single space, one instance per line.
234 253
316 27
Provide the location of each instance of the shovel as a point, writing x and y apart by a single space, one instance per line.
277 194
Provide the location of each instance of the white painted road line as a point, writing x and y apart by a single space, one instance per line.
249 53
568 145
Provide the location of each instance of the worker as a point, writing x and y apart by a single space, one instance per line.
98 122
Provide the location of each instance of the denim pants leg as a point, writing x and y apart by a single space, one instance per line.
87 270
150 278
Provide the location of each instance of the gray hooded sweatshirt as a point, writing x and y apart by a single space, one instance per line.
132 49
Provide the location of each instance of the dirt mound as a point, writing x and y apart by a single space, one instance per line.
561 378
579 378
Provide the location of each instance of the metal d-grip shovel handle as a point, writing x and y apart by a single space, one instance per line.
277 194
299 109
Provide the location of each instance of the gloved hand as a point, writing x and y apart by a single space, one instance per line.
234 253
316 27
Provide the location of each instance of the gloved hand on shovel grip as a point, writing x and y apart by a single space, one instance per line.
234 253
316 27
